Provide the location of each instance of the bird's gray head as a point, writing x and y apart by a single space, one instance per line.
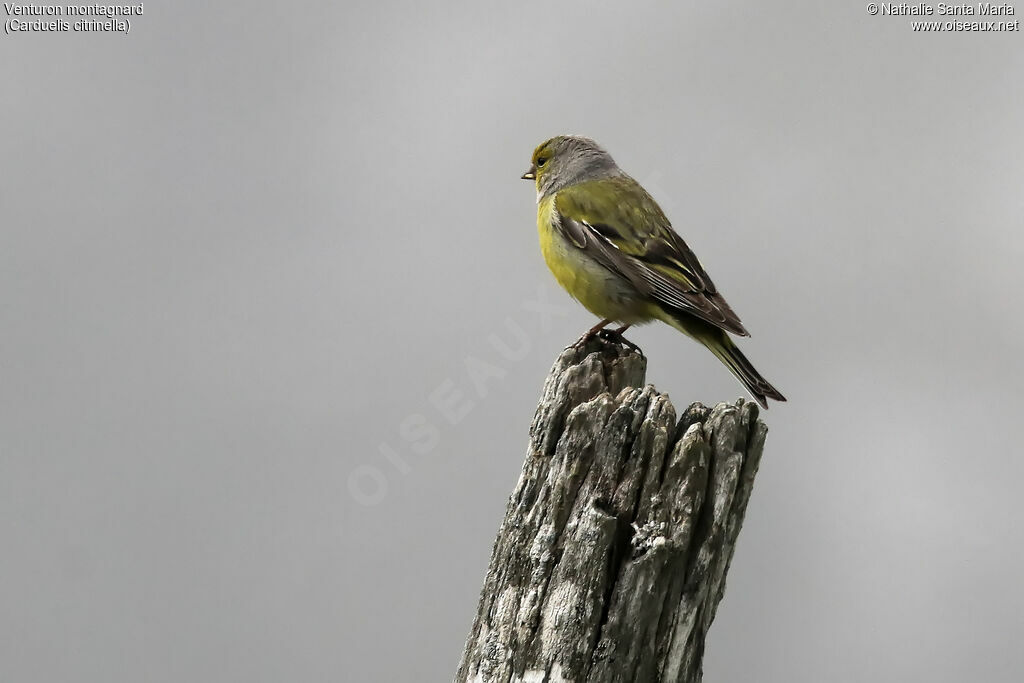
567 160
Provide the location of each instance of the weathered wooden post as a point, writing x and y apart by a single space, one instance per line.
611 560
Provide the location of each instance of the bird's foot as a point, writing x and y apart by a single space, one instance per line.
589 334
615 337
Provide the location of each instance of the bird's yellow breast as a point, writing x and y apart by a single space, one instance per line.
564 265
602 292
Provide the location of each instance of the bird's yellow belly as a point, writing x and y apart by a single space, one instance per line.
601 291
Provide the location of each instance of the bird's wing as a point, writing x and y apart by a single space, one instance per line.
621 226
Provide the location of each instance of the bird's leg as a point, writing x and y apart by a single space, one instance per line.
616 336
592 332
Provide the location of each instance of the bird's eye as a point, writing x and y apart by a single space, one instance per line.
541 161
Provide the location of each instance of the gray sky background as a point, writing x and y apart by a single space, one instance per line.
243 244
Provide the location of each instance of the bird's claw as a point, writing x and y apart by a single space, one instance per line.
615 337
582 341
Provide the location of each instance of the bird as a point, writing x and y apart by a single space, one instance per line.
611 247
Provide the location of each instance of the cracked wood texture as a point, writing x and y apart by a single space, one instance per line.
611 560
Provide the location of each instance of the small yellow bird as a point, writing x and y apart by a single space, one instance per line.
609 244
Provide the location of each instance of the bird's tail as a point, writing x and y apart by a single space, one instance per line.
745 372
720 344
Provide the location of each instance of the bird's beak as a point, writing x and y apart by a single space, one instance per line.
531 173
